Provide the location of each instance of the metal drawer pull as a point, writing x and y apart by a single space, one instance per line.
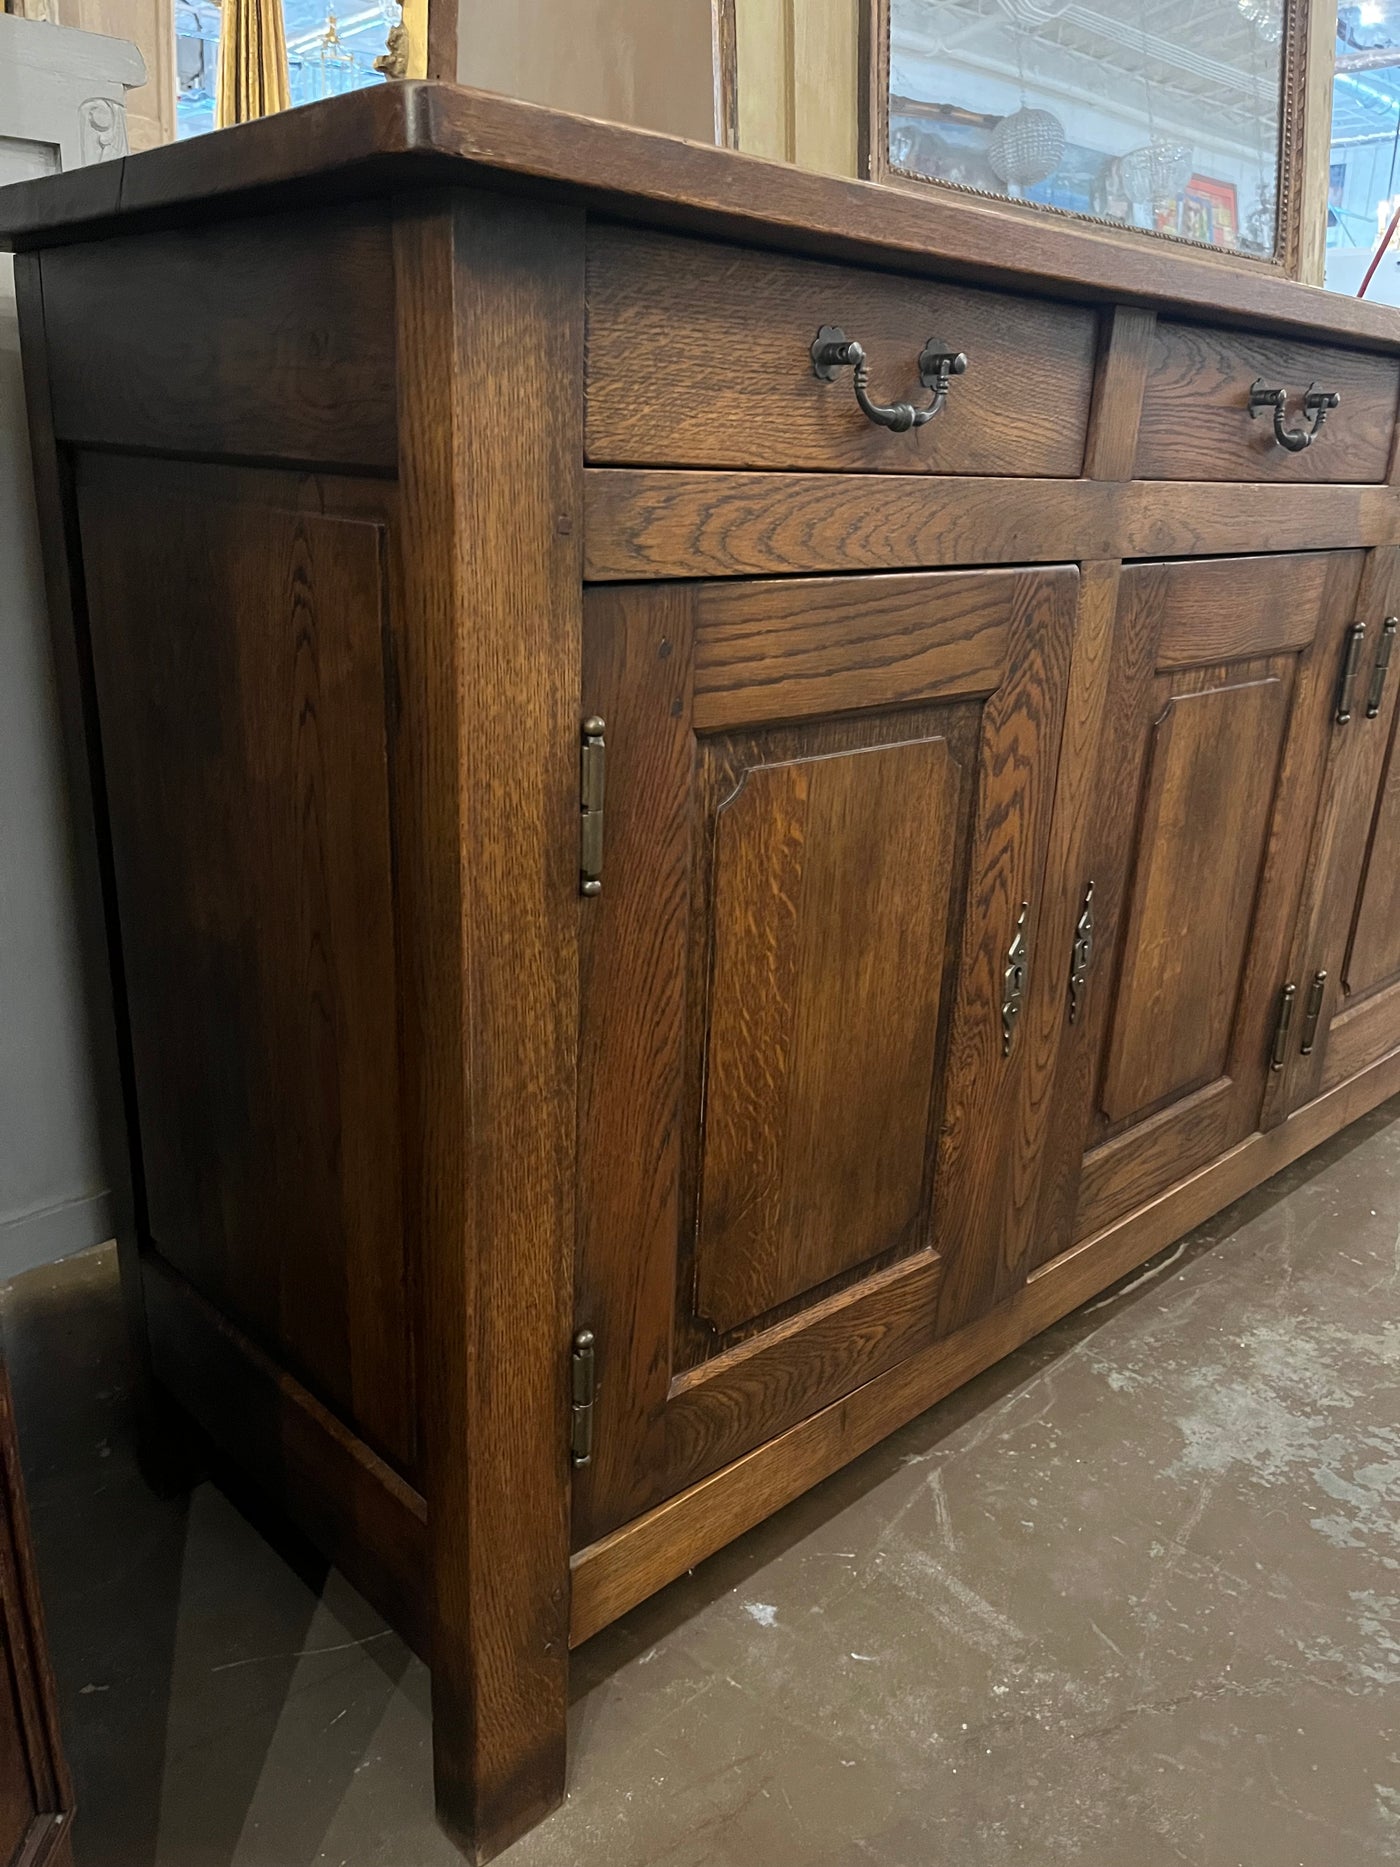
1316 402
1382 667
833 350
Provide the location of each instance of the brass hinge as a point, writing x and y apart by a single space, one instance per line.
1312 1011
1281 1027
592 753
583 1384
1351 661
1382 667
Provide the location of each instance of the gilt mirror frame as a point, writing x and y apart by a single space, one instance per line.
1303 93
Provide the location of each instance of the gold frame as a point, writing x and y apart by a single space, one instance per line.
1295 102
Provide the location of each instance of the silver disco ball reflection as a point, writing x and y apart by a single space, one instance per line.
1026 147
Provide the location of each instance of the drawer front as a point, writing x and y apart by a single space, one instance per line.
1196 421
699 355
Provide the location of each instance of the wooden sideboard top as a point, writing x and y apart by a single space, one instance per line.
411 135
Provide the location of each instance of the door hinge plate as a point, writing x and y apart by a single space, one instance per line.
1312 1012
1281 1027
583 1381
1351 661
591 774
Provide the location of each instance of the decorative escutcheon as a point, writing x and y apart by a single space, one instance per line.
832 350
1316 402
1013 981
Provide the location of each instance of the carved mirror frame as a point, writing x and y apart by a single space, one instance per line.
1305 93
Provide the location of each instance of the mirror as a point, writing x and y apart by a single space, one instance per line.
1161 115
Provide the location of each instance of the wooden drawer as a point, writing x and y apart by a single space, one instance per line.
699 355
1196 423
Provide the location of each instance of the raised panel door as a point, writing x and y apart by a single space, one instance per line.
1209 770
1345 964
809 1108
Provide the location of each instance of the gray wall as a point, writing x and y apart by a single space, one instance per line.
54 1181
60 1130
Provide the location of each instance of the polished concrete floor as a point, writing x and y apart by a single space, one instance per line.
1130 1599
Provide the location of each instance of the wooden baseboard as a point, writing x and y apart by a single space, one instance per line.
353 1506
619 1570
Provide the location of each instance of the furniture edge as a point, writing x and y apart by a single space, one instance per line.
413 133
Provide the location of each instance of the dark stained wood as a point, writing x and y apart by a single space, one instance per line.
487 780
256 902
269 339
36 1795
616 1572
792 986
645 524
699 356
325 1479
1338 868
407 1110
1182 1022
1196 423
1125 342
1373 955
1212 761
395 135
831 897
1069 873
795 649
991 1144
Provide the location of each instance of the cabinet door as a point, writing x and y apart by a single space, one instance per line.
811 1098
1346 957
1210 766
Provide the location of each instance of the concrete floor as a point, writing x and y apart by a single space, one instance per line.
1132 1598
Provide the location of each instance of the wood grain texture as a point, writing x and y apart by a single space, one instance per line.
995 1117
800 648
1071 869
1211 773
1125 343
1195 417
615 1573
399 135
832 877
1359 1035
784 1373
1373 952
36 1792
245 752
322 1477
1337 861
767 1059
700 356
643 524
638 657
270 339
1133 1153
488 783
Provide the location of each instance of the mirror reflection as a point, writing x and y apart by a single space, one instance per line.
1158 114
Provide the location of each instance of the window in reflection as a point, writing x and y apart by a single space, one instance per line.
1158 114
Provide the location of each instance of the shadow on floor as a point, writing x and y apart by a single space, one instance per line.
227 1702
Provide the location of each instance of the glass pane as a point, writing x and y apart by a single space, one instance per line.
1160 114
1364 180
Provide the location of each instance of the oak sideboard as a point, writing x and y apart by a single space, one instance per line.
722 792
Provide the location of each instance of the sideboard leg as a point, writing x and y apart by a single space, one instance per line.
488 648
